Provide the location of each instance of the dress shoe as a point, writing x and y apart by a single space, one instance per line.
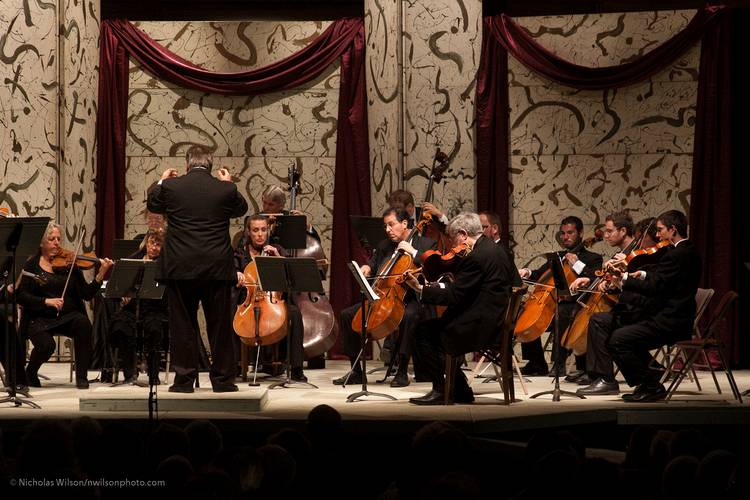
431 398
226 388
575 375
82 384
464 396
400 380
33 379
533 369
132 380
600 388
355 378
646 394
185 389
584 380
297 375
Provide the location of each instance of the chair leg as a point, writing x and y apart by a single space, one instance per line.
520 375
448 387
166 373
505 385
730 376
711 369
477 371
679 377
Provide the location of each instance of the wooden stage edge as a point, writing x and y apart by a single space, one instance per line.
271 409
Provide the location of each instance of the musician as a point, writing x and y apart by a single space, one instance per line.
645 230
583 263
491 229
476 300
667 313
196 263
152 315
257 244
46 312
618 233
396 224
402 199
274 202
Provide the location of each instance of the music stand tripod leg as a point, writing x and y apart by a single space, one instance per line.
365 338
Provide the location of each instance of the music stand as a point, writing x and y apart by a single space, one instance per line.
369 230
290 231
18 236
290 275
136 279
561 290
367 294
122 249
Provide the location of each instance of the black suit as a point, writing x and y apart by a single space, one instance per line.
476 302
568 309
196 262
668 316
352 341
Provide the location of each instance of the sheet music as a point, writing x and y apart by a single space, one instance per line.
370 292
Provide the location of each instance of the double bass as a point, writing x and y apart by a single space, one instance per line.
318 319
539 309
431 228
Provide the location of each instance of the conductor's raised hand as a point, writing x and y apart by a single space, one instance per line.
224 175
170 172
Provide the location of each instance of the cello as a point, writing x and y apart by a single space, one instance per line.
318 320
269 307
385 314
539 308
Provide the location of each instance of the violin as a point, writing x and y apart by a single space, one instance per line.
635 260
435 264
67 258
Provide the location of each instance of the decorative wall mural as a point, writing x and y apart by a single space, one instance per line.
256 137
589 153
28 108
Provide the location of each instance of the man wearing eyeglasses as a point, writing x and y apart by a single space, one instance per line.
396 223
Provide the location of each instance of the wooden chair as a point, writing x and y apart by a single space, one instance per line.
690 350
499 354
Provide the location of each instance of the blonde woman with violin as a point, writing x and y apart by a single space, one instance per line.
53 304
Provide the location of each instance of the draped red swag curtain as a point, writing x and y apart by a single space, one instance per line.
712 217
345 38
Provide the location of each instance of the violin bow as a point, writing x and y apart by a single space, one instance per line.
73 264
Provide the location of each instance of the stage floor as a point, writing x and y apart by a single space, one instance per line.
60 398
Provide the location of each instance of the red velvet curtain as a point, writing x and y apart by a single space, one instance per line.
714 197
344 38
713 206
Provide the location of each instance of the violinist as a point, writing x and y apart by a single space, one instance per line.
196 264
584 263
257 235
396 224
46 312
152 315
491 228
668 309
476 300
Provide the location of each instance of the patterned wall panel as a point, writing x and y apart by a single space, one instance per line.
443 44
381 25
588 153
80 42
257 138
28 107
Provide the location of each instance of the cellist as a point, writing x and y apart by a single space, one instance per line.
584 263
396 223
256 243
618 233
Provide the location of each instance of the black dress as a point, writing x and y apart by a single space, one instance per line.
40 322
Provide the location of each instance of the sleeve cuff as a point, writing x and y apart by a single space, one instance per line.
578 266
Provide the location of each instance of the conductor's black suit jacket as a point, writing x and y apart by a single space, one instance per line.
198 207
